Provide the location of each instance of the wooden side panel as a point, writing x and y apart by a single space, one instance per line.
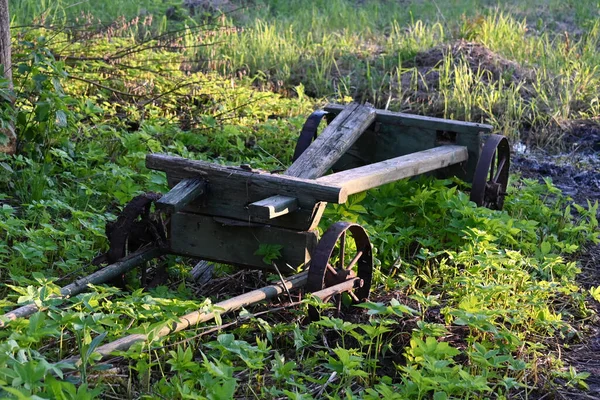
436 124
230 191
399 134
231 200
214 239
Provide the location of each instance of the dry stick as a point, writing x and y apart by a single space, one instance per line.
235 303
105 274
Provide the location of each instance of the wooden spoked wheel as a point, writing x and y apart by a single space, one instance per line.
344 253
491 174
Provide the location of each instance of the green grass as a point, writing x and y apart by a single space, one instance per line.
374 61
469 302
339 50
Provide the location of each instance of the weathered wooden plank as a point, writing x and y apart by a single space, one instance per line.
333 142
273 207
202 272
439 124
182 194
231 190
231 201
203 237
339 135
363 178
266 183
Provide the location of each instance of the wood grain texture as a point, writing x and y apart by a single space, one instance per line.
333 142
320 156
231 190
440 124
182 194
269 184
216 240
373 175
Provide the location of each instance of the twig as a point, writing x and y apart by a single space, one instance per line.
282 281
104 87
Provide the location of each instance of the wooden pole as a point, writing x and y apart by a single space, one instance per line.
105 274
196 317
199 316
359 179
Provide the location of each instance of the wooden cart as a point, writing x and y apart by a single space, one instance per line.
224 214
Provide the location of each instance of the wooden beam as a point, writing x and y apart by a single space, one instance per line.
241 181
80 285
182 194
333 142
273 207
202 272
373 175
236 242
420 121
202 315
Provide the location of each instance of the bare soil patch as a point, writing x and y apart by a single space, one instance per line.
577 173
421 82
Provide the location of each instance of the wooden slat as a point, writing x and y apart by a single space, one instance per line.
231 201
363 178
182 194
203 237
273 207
333 142
231 177
440 124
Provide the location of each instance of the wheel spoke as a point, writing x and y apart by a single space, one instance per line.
328 265
354 260
331 269
494 156
500 168
342 250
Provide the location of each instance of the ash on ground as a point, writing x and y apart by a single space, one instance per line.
576 172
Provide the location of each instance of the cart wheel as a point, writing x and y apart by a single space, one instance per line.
308 133
340 257
134 229
491 175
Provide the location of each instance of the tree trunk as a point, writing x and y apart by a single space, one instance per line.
5 64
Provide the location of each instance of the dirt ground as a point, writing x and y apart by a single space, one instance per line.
577 173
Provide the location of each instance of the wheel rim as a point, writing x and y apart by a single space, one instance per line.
334 261
308 133
491 174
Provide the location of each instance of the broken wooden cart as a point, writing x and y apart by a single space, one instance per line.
224 213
